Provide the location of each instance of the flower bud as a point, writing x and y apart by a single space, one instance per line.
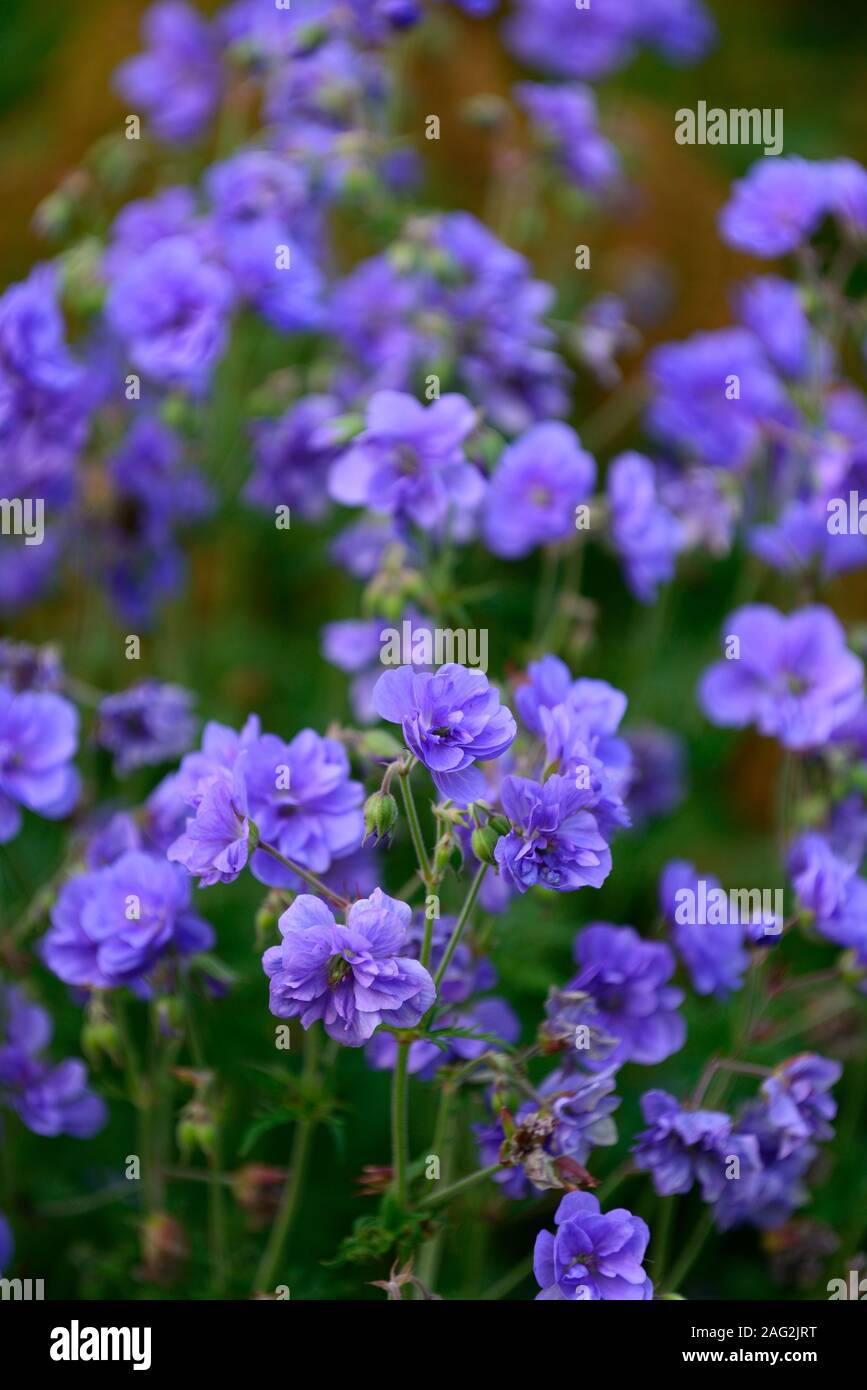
380 816
196 1129
484 843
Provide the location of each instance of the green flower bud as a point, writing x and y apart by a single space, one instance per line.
484 842
380 816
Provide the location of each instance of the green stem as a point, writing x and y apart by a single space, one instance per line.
400 1123
662 1237
415 828
443 1145
298 1162
457 1188
469 904
216 1213
509 1281
691 1251
305 874
613 1181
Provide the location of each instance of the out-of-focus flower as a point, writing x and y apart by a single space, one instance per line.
409 461
792 676
169 306
38 740
113 926
177 81
533 494
713 953
628 981
568 119
149 723
645 534
49 1099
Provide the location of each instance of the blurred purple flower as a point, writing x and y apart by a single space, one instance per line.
177 81
409 461
148 723
792 676
50 1100
113 926
38 740
532 496
645 534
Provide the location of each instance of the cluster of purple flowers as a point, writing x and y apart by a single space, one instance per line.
749 1169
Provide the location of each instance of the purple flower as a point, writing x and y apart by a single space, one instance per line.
846 185
450 719
351 976
773 309
49 1099
113 926
798 1102
695 408
627 980
596 40
303 802
704 506
44 406
136 549
555 840
792 675
776 206
38 739
177 81
145 221
567 116
713 953
217 841
682 1146
409 461
645 534
821 878
168 805
149 723
452 298
169 307
592 1255
110 837
587 44
657 781
770 1185
292 456
23 667
533 494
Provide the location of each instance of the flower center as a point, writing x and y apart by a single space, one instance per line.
338 969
